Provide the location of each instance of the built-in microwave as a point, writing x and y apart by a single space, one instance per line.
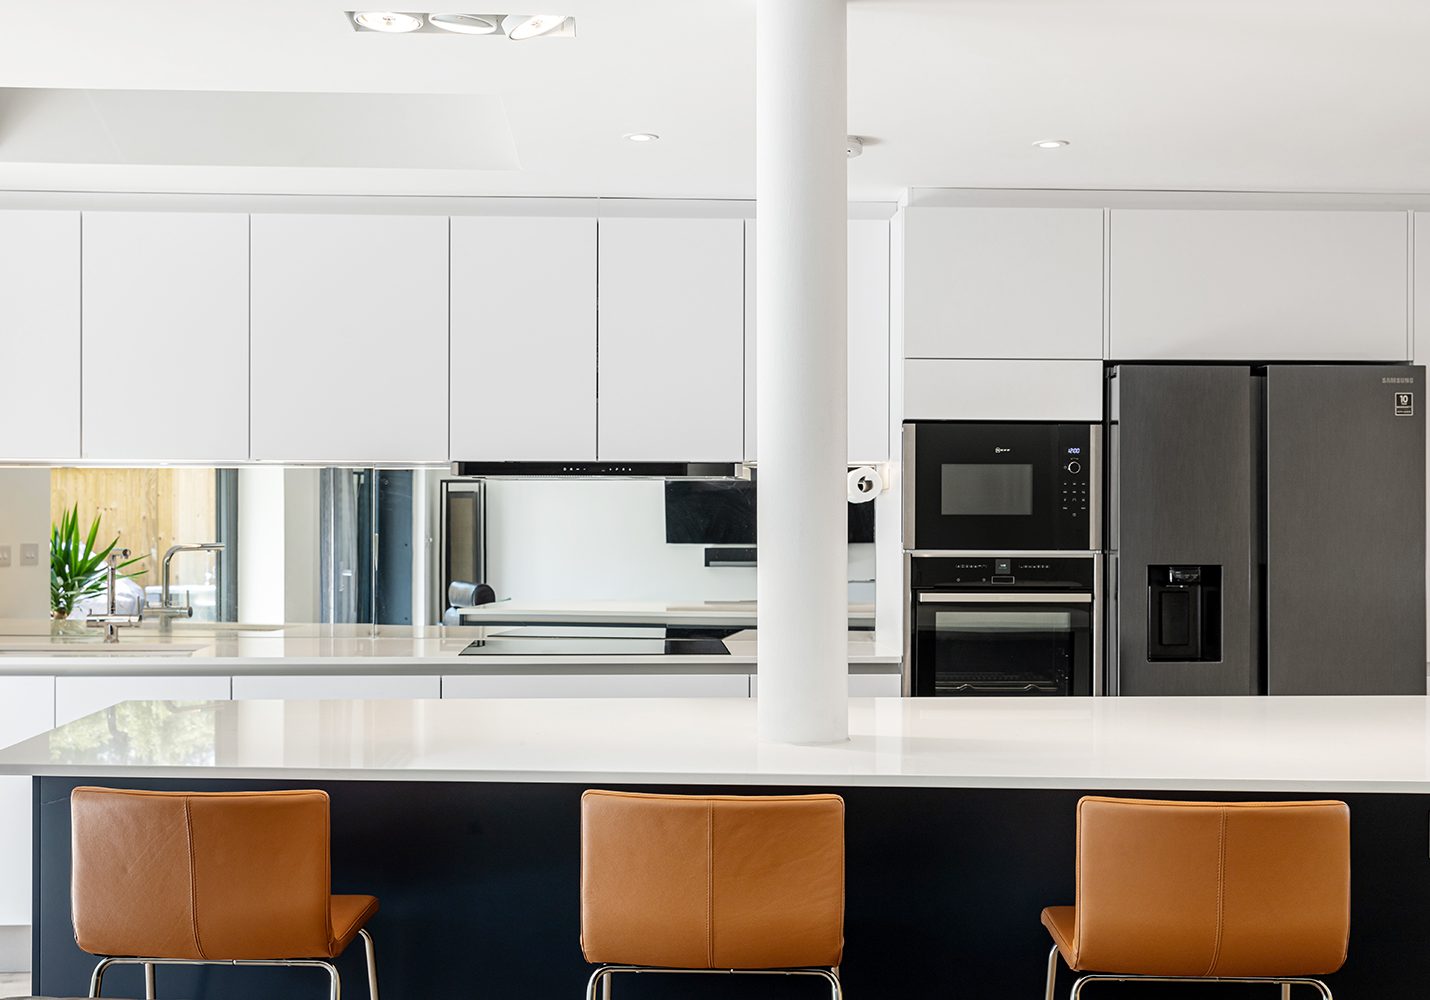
1001 486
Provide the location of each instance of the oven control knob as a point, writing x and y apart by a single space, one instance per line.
1074 467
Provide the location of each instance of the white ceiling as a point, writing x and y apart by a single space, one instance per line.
1328 95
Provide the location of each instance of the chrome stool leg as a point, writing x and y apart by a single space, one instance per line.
96 979
335 983
1285 991
149 993
1052 973
371 951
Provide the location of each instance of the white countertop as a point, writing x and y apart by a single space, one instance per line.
733 614
1313 745
198 648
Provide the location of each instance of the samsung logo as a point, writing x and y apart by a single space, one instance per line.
1001 451
1397 381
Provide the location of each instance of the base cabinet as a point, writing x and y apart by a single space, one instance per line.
322 687
76 697
27 707
597 686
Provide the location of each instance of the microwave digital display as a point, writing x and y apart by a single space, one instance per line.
987 490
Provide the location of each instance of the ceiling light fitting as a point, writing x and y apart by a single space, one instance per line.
641 136
388 21
517 27
1051 143
853 146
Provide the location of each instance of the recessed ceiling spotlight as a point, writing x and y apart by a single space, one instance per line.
853 146
463 24
387 20
641 136
523 26
1051 143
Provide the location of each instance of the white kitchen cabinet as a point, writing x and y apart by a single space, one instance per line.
1213 285
868 342
39 335
349 338
76 697
596 685
671 340
860 686
27 707
1068 391
1003 283
165 317
310 687
523 361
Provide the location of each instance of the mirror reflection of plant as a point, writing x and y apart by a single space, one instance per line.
77 570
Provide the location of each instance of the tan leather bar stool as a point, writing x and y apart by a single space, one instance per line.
712 884
1255 892
226 878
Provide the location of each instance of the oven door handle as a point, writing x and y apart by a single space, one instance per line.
1004 598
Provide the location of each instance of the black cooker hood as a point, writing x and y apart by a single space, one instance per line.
598 470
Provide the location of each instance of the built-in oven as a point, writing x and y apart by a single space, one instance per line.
1011 624
1001 486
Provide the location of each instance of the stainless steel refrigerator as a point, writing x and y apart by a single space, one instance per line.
1266 529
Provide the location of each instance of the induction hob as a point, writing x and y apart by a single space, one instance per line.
585 645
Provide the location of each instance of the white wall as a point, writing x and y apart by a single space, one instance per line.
605 540
25 519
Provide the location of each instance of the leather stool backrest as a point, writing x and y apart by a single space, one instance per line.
1212 888
709 882
201 875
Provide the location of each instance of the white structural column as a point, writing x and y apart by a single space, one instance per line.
801 187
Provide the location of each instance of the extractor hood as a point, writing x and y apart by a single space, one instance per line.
601 470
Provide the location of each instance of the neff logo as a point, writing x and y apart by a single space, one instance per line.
1001 451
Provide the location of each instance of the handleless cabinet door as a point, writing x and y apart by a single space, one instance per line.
76 697
523 378
671 340
39 335
868 341
166 319
1226 285
349 338
27 708
1003 283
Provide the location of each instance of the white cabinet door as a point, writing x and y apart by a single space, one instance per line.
166 319
671 340
39 335
27 708
868 341
1258 285
310 687
596 685
76 697
523 378
860 686
1003 283
1068 391
349 317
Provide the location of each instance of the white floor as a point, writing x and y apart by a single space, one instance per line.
14 984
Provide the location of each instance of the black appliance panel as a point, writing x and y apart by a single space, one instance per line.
1002 486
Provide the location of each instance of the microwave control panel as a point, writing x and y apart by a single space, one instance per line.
1073 459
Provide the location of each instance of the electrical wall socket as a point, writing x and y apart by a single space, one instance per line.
4 555
30 554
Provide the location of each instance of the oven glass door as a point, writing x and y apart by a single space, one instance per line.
994 487
1039 645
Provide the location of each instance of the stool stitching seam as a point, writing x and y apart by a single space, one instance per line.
193 878
710 884
1220 893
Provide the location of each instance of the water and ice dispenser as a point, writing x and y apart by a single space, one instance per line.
1184 614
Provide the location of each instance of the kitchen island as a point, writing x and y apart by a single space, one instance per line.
463 817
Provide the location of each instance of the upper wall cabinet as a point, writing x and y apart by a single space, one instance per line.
868 341
1219 285
349 356
1003 283
39 335
671 336
166 315
523 376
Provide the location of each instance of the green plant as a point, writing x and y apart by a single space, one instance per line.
77 571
